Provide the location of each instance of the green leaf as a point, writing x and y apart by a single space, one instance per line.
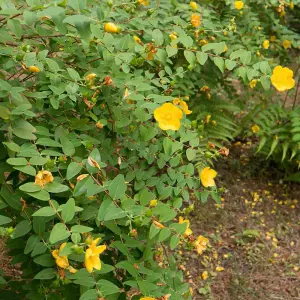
171 51
109 211
22 229
15 26
67 146
73 169
81 229
201 57
30 187
164 234
154 230
158 37
41 195
273 146
46 274
53 65
68 211
26 169
59 232
31 244
204 196
218 48
47 211
265 68
191 154
47 142
261 143
246 58
190 57
167 144
4 220
105 268
179 228
38 161
45 260
219 62
23 133
174 241
230 64
20 161
11 145
89 295
107 288
73 74
265 82
55 187
117 187
4 112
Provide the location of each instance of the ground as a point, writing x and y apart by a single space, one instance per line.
254 236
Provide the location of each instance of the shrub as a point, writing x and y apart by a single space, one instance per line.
99 149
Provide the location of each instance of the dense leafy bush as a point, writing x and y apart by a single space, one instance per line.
100 141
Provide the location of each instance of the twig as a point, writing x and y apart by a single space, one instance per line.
295 98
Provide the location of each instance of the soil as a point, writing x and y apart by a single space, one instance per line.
254 235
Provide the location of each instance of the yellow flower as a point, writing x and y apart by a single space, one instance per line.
239 5
292 5
204 275
195 20
182 105
201 244
126 93
272 38
143 2
207 176
203 42
34 69
188 230
168 116
207 119
147 298
266 44
225 48
111 27
253 83
193 5
157 224
90 76
153 203
282 79
286 44
61 261
92 259
255 128
137 39
72 270
43 177
214 123
173 36
219 269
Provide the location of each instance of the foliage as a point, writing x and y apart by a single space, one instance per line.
82 156
278 131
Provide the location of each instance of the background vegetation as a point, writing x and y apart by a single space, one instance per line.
113 114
